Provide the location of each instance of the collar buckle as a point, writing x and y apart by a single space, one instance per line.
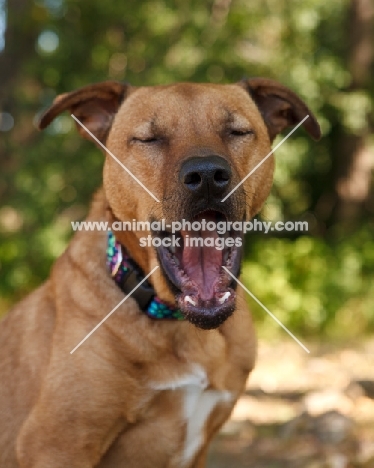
143 294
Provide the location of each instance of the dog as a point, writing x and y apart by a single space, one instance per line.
150 387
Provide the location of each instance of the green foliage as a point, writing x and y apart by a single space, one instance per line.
313 286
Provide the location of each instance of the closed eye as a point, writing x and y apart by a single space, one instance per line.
147 140
240 132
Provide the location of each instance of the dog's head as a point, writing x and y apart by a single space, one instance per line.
190 145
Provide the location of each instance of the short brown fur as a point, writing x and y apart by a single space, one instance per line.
102 406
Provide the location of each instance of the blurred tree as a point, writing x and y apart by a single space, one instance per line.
353 185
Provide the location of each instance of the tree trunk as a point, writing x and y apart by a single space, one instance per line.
20 37
355 158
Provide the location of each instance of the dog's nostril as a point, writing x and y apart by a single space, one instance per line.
221 176
193 179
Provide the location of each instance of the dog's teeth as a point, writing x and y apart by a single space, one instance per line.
224 298
188 299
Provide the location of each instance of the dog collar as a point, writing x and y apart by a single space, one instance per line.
127 275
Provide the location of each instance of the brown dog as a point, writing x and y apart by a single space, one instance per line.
143 392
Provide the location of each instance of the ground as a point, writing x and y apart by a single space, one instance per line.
303 410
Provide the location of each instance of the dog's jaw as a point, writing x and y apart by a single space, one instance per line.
204 291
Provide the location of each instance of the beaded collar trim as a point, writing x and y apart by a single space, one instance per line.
127 275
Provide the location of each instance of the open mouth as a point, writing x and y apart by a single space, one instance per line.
194 266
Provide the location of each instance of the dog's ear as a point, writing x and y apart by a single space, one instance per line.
280 107
94 105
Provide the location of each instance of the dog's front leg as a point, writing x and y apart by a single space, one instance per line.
81 409
51 439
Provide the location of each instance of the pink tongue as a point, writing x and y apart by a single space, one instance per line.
202 264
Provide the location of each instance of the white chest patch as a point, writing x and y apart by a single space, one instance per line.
198 404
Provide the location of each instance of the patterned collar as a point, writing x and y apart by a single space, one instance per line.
127 275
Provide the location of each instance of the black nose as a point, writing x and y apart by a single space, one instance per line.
204 176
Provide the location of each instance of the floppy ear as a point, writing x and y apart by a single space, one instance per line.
280 107
94 105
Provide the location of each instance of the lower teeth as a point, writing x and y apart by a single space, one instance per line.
188 299
223 299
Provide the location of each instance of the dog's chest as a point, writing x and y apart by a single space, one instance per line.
198 401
